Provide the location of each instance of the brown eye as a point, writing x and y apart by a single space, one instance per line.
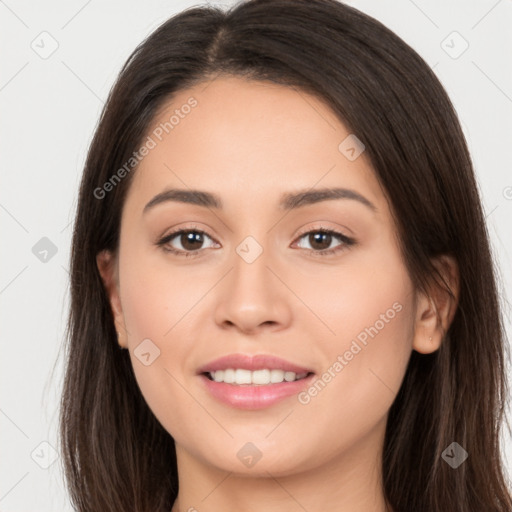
320 241
191 240
185 242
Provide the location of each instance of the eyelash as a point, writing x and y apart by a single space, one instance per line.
347 242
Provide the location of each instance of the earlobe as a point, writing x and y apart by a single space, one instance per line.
106 262
435 311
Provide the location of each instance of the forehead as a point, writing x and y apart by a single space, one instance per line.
250 138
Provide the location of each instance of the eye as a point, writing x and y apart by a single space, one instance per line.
320 241
189 242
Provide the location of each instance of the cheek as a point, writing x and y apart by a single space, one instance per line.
361 379
365 362
154 304
155 295
366 308
365 297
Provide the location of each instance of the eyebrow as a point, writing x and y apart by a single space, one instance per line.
288 201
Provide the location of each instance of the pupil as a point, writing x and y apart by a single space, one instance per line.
317 239
192 238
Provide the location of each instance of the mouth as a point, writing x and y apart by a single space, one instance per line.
253 381
253 396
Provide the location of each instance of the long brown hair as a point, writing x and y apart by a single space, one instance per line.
116 455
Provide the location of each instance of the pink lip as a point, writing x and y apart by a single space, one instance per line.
255 362
250 396
247 396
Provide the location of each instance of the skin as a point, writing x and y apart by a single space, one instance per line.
249 142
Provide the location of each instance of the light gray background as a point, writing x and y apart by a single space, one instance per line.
50 107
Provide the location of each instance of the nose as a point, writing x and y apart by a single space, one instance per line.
252 297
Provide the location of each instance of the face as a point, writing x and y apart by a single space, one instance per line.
278 280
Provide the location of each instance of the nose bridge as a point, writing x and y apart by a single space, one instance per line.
252 295
250 276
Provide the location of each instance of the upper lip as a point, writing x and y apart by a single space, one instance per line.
252 362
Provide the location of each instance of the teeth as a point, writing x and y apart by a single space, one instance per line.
258 377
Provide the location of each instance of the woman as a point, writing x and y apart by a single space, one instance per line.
282 291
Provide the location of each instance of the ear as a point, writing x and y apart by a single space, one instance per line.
435 311
107 266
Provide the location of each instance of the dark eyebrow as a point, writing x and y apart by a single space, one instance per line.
297 199
289 201
197 197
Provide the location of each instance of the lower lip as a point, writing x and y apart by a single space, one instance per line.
252 396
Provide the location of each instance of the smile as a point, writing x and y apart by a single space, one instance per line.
263 377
